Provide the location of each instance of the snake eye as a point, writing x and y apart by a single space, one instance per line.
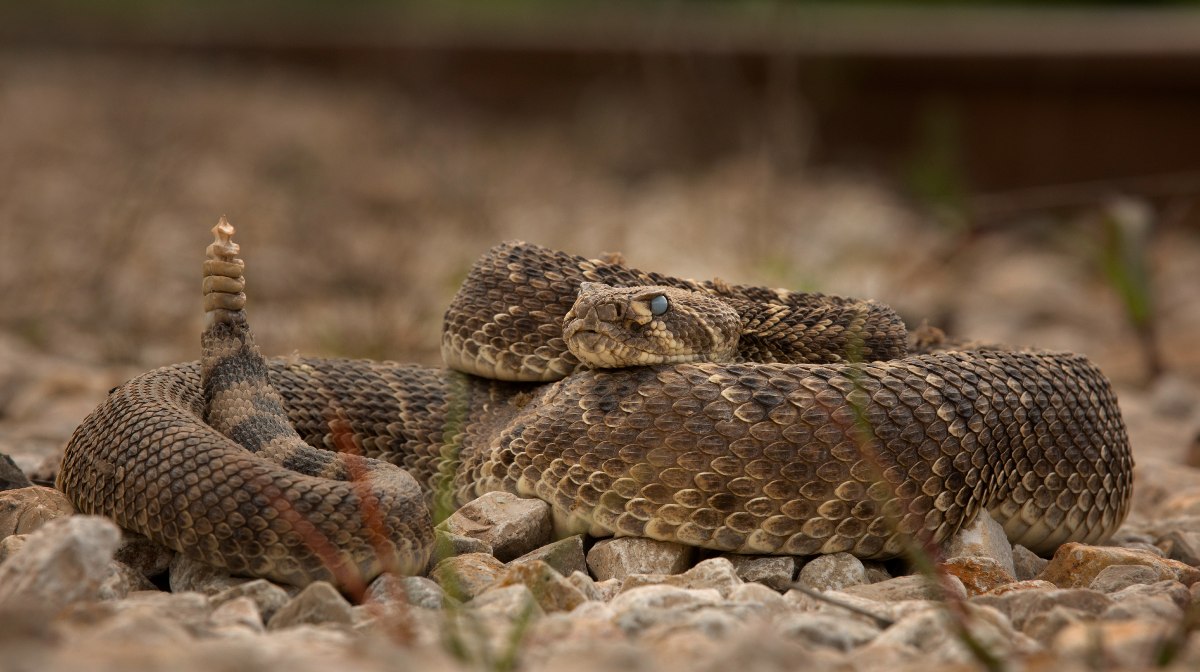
659 305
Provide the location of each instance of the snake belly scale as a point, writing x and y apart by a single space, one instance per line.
306 469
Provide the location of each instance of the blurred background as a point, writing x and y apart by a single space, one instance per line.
1024 172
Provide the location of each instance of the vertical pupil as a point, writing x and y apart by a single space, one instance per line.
658 305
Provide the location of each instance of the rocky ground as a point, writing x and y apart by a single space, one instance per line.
362 206
75 592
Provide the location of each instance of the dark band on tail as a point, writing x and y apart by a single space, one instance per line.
238 396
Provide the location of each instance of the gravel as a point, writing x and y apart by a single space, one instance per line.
550 604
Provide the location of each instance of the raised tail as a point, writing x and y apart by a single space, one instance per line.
381 524
207 463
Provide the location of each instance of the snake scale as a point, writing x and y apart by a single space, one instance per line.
818 435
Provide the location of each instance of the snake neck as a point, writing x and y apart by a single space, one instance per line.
506 321
827 332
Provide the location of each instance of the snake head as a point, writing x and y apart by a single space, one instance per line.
612 327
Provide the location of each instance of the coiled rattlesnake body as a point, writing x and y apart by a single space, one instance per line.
748 457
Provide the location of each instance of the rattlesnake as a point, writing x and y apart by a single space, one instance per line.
856 448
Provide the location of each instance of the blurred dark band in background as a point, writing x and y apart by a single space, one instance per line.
998 108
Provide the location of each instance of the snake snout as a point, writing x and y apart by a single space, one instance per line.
584 331
590 336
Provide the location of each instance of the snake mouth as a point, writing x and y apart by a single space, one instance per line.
577 328
594 345
605 347
588 339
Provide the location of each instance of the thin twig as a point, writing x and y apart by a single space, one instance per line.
1007 204
882 621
